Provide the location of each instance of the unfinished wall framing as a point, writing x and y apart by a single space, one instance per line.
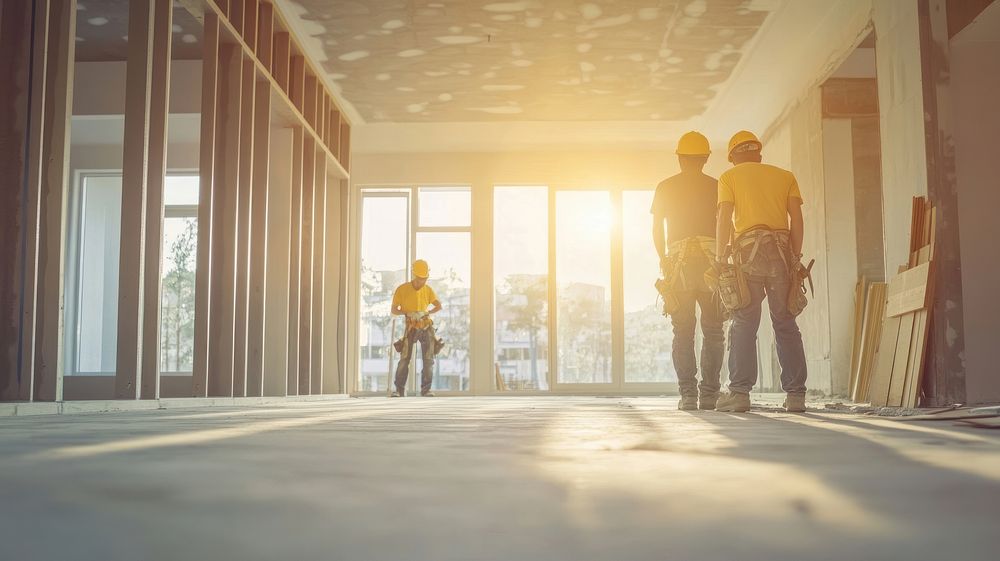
274 151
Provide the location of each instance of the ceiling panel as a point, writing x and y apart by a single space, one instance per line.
480 60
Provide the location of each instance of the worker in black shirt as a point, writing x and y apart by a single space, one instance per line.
687 202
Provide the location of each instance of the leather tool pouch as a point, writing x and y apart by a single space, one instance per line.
666 285
733 288
797 300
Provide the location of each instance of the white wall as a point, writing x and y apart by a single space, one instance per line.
842 270
796 143
901 113
975 81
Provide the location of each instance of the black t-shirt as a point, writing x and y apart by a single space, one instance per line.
688 201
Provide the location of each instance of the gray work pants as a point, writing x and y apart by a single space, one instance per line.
426 339
768 277
712 348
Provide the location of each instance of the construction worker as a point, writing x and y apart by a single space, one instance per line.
687 202
760 210
412 299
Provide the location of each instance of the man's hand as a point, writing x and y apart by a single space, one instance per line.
663 265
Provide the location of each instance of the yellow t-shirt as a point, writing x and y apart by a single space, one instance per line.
413 300
759 193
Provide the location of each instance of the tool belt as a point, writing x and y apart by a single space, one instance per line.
798 274
674 280
402 344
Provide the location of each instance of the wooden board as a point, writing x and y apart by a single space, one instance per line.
900 363
206 207
908 291
874 310
878 392
918 348
859 328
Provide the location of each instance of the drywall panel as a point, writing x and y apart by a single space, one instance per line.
901 112
838 177
975 79
807 164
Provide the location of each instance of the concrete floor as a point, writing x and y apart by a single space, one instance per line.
494 478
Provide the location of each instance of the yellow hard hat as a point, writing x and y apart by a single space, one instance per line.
421 269
693 144
741 138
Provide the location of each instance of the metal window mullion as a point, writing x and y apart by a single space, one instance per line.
553 338
617 292
411 226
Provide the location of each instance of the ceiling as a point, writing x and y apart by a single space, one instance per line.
102 32
427 61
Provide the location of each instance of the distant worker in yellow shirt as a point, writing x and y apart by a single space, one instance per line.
412 299
763 205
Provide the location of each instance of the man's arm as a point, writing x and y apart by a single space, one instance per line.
659 240
397 310
796 224
723 228
435 307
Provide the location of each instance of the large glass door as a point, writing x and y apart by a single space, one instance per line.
587 255
648 335
385 227
398 226
583 241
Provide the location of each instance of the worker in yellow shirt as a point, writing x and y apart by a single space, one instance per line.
760 210
412 299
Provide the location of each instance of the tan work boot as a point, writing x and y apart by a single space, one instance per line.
733 402
795 403
707 403
688 403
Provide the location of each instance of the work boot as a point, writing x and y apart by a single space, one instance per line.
427 394
795 403
733 402
707 402
398 393
688 403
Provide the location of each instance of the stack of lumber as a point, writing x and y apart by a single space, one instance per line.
900 355
869 314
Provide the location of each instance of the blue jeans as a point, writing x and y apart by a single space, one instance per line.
768 276
712 348
426 339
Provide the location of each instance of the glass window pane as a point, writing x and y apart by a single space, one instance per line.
648 335
583 273
384 241
97 293
450 258
180 244
445 206
520 268
180 190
